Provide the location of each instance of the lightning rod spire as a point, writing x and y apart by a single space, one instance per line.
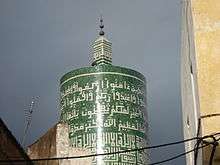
101 33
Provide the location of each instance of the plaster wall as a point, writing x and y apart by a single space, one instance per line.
206 17
55 143
201 52
10 149
206 20
189 92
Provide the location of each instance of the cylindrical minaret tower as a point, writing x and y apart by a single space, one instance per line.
105 107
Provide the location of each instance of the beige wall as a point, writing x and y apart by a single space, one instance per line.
55 143
201 52
45 147
206 20
204 32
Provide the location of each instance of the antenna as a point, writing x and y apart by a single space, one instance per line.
28 117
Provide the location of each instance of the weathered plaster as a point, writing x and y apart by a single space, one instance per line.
54 144
206 17
204 36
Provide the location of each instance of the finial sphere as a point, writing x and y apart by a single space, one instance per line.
101 33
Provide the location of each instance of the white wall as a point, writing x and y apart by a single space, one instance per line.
189 92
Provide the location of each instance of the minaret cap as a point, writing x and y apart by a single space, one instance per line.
102 48
101 33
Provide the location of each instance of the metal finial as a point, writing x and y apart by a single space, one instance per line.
101 33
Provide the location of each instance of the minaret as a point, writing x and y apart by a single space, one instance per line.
105 108
102 48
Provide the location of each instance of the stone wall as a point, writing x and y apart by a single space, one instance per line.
55 143
45 147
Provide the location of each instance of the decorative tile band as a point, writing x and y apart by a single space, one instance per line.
106 112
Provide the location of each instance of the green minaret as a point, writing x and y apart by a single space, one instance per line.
105 107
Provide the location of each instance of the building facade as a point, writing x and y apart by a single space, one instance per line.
105 108
10 149
200 74
55 144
